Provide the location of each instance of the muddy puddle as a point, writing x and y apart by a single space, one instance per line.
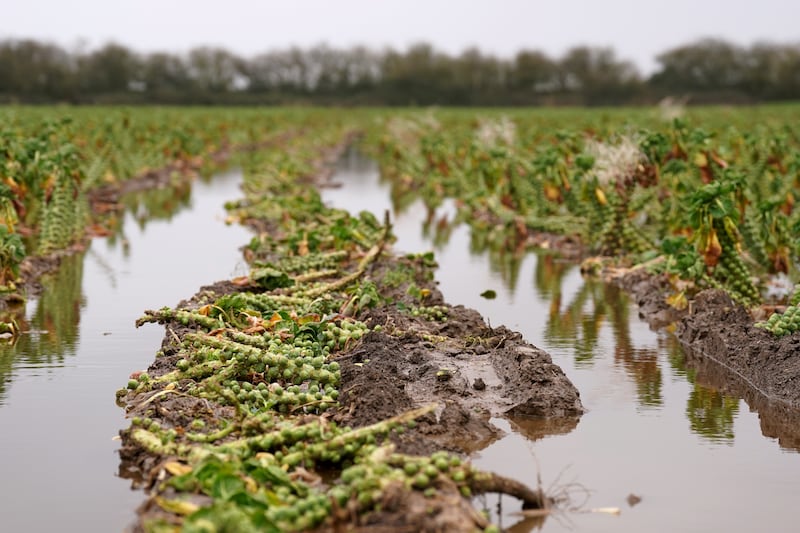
660 441
57 383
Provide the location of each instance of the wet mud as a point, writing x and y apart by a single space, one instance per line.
471 371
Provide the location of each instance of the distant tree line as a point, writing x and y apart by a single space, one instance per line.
704 71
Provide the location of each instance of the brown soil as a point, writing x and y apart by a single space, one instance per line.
473 372
729 353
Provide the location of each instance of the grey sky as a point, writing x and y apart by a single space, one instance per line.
637 29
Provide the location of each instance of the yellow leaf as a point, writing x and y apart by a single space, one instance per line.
601 196
701 160
177 469
180 507
274 319
551 192
678 301
250 484
713 249
302 246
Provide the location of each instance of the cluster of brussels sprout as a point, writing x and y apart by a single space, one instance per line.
781 324
732 275
312 262
435 313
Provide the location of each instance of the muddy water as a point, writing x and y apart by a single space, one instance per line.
58 462
695 456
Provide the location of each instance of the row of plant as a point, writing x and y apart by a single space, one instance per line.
237 406
51 160
710 206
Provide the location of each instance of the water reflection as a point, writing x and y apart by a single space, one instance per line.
50 331
147 206
158 204
711 413
50 322
538 428
577 323
641 364
776 419
58 412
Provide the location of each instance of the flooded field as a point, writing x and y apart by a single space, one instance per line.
693 455
57 382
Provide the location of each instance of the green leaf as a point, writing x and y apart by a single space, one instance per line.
226 485
489 294
584 162
270 278
185 483
272 476
224 517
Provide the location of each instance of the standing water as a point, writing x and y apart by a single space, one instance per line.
694 456
57 413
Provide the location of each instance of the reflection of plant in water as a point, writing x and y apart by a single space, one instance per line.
577 325
549 275
640 363
573 326
53 327
677 359
438 228
12 315
501 261
160 203
711 413
507 265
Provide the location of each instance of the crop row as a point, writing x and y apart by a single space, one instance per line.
708 207
53 160
264 355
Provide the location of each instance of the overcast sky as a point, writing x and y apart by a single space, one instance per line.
637 29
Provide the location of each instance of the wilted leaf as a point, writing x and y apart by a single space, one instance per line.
552 193
718 160
678 301
712 249
180 507
701 160
601 196
177 469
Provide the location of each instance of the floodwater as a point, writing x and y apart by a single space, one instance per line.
695 456
58 462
